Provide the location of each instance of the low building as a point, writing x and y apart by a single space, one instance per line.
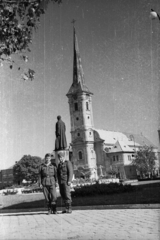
118 152
6 177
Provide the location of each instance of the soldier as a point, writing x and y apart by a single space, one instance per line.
65 175
48 180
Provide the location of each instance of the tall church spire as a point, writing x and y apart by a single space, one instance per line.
78 75
78 84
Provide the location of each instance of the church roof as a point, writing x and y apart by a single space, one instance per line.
121 146
140 139
7 168
78 84
111 137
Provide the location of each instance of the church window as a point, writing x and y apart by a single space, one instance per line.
80 155
90 133
129 157
76 106
88 117
87 106
77 118
78 134
117 158
114 158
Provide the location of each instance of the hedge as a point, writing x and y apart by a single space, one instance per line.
34 190
10 192
103 188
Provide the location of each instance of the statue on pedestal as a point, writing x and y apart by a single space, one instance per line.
60 142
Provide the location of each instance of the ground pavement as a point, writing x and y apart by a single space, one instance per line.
96 224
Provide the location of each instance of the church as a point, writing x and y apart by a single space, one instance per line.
97 152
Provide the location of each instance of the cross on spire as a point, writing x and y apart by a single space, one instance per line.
73 22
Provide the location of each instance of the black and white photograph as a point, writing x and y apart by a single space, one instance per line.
80 119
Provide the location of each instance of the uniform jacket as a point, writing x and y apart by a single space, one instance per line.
65 172
47 175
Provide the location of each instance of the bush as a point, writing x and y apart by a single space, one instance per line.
10 192
97 189
33 190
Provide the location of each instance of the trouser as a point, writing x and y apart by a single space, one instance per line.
50 194
65 192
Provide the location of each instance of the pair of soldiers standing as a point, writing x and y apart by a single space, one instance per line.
50 175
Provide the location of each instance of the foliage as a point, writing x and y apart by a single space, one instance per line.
81 181
18 19
81 171
112 172
8 192
97 189
34 190
144 159
27 168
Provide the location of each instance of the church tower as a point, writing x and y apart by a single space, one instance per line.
81 115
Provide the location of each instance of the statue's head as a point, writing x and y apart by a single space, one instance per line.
59 117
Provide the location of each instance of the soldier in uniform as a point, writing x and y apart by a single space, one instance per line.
65 175
48 180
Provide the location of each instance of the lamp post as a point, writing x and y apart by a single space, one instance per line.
154 15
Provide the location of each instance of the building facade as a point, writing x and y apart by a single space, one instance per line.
80 105
6 177
97 152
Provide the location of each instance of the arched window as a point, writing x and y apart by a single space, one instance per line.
80 155
87 106
76 106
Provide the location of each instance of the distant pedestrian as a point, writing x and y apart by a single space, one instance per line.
48 180
60 142
65 175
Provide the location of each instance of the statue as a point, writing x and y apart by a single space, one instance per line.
61 142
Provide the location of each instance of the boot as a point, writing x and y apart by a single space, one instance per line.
69 208
49 209
65 210
54 209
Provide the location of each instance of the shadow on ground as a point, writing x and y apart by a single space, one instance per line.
31 204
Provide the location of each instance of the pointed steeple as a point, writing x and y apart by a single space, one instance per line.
78 75
78 84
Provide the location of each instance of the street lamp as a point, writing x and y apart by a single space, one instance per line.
154 15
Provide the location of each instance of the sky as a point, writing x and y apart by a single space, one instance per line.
120 51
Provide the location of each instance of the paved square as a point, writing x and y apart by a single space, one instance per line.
109 224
